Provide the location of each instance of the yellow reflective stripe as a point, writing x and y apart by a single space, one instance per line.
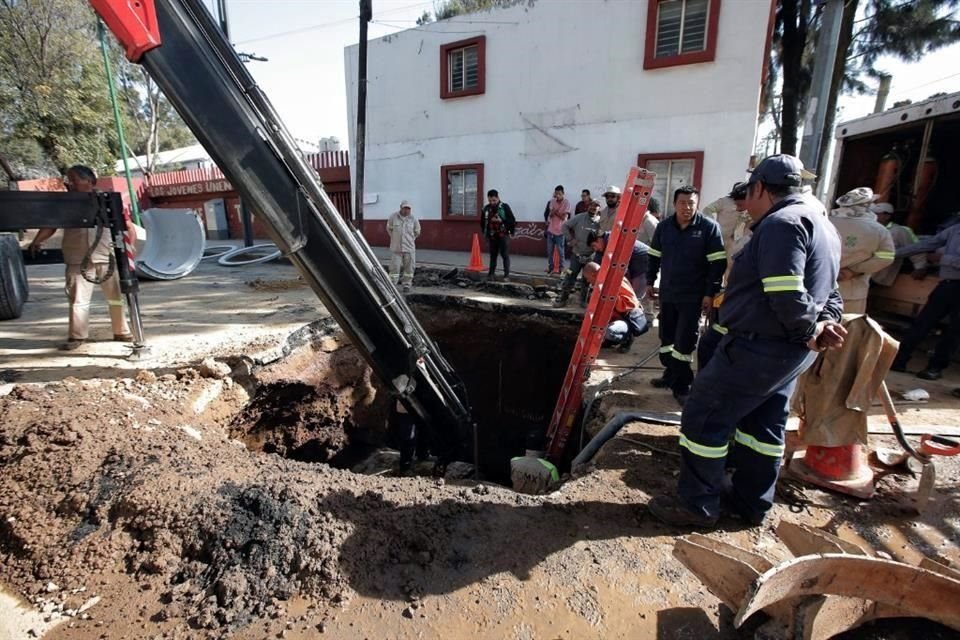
781 279
703 450
682 357
716 255
885 255
763 448
719 328
115 303
667 348
654 252
782 283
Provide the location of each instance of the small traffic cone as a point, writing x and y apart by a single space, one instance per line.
476 260
841 468
556 267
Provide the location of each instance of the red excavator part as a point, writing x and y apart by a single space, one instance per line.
133 22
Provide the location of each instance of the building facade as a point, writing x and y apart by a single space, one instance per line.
539 93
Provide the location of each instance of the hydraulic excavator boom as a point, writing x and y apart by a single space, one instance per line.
186 54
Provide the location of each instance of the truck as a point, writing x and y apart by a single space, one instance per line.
910 156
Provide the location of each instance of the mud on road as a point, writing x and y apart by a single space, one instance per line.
207 502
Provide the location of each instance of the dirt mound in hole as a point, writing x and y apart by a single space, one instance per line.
297 421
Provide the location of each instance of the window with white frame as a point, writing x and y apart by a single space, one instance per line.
681 27
464 69
463 184
673 171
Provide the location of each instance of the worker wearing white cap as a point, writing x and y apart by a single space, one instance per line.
865 247
902 237
609 212
403 229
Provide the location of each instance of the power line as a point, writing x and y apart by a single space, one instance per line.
398 26
324 25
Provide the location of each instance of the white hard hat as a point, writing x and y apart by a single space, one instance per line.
612 189
406 205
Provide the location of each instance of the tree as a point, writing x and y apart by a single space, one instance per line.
54 104
150 123
905 29
52 82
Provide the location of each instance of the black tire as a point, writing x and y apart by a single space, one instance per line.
13 278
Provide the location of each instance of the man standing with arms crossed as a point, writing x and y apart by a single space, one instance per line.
403 229
780 308
688 251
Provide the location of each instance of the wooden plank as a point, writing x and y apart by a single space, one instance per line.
915 591
803 540
759 563
726 577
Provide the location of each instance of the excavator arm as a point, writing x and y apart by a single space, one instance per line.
186 54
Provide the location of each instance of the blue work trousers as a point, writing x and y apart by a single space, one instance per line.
744 393
679 330
560 242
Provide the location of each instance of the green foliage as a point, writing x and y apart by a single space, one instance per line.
904 29
52 82
54 102
449 8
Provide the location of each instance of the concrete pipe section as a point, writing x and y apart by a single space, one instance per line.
174 246
257 254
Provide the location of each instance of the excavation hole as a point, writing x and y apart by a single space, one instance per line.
322 404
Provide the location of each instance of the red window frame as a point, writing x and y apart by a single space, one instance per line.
696 156
481 43
709 53
444 199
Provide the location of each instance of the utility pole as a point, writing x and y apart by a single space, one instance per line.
366 14
823 63
246 219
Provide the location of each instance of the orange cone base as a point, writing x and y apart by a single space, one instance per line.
557 261
841 469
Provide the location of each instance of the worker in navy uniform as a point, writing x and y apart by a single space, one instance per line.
780 308
687 250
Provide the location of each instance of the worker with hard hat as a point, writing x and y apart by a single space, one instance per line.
865 245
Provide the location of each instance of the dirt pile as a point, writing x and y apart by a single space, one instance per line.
101 476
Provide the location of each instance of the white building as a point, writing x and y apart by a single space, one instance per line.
190 157
570 92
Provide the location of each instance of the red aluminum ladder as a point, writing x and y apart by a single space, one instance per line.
630 213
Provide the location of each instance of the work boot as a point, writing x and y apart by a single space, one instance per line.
625 344
71 344
123 337
670 510
930 374
561 300
661 383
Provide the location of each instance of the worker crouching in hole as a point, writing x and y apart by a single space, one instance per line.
407 436
628 320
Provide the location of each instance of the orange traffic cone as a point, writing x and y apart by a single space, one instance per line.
557 263
476 260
